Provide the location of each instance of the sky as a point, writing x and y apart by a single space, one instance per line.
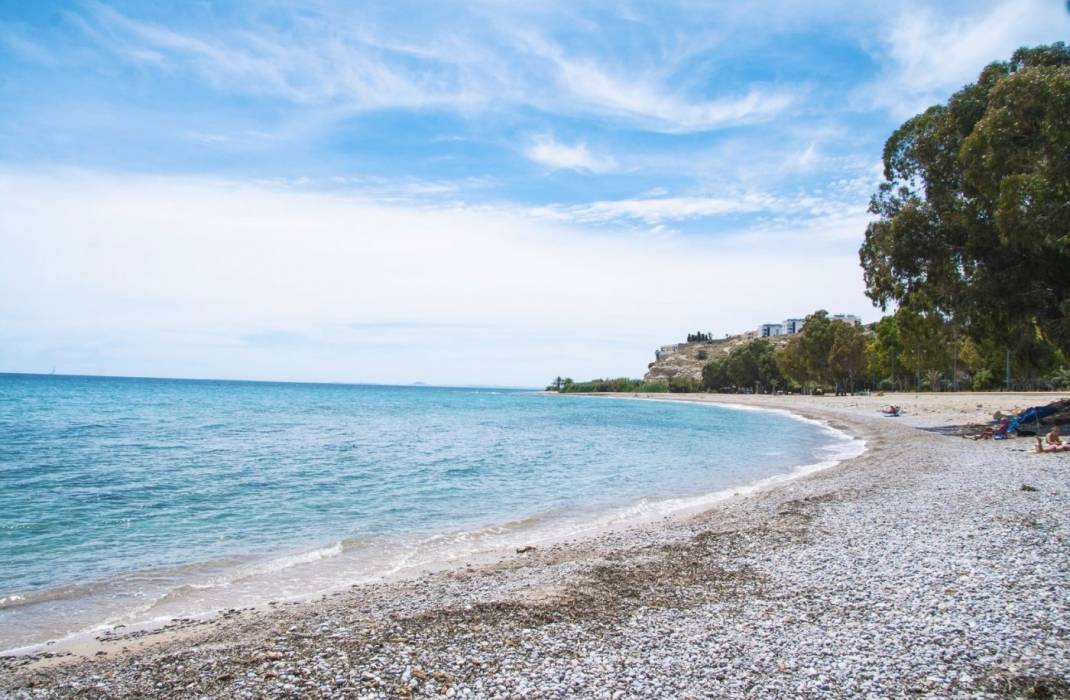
479 192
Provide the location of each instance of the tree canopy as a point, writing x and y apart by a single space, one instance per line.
974 211
750 366
825 351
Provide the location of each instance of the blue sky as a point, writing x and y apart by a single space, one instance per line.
478 192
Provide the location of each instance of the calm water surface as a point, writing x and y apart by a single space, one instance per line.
136 499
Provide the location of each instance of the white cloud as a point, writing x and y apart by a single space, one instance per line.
933 54
332 65
809 157
129 275
643 100
546 150
339 61
657 210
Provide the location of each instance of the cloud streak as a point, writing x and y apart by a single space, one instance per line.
546 150
933 52
643 101
657 210
339 63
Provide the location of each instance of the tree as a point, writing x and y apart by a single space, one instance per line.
925 341
975 205
847 356
714 375
883 353
805 358
752 365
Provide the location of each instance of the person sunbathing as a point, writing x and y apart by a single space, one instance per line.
998 432
892 410
1053 437
1060 447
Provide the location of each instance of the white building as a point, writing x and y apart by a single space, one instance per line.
848 318
767 330
793 325
665 350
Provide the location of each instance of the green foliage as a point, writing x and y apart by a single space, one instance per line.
715 375
620 384
805 359
702 355
826 352
750 366
753 365
682 385
926 340
1060 379
883 352
847 356
973 217
985 380
559 384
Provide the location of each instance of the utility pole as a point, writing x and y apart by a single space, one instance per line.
917 371
895 369
955 366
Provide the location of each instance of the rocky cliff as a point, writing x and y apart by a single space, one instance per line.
687 359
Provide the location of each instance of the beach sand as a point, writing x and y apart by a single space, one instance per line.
930 566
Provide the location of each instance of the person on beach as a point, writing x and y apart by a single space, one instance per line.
1053 437
998 432
1060 447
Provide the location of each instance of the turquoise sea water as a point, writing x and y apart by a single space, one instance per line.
126 500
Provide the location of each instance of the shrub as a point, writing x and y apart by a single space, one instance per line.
681 385
618 385
984 380
1061 379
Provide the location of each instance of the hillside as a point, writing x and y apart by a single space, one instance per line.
685 360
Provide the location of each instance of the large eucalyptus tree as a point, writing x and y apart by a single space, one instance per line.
974 211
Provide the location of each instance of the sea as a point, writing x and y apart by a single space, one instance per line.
127 501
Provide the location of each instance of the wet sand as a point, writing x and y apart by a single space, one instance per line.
928 566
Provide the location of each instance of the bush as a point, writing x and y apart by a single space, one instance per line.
702 355
681 385
984 380
1061 379
618 385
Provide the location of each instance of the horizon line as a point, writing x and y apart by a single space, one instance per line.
410 385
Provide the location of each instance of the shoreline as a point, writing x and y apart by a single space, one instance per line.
903 545
536 530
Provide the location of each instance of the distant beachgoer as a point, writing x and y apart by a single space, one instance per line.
1053 437
998 432
1061 447
892 410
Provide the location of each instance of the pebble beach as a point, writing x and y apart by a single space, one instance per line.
929 566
